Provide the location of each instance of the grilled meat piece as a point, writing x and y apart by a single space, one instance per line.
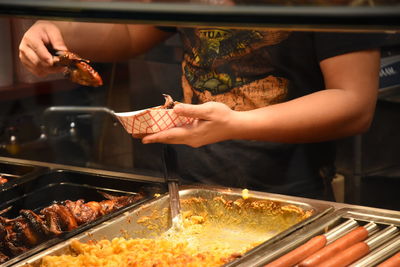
96 208
59 218
169 102
82 212
117 202
52 221
36 222
78 69
108 205
19 234
7 228
15 249
26 233
3 180
3 232
3 257
87 212
12 241
5 210
68 222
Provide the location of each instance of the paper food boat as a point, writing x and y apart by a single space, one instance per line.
152 120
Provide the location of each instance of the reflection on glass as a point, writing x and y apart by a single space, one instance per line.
254 2
244 68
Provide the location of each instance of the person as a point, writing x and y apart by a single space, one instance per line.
267 103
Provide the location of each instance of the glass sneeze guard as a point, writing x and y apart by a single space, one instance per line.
343 15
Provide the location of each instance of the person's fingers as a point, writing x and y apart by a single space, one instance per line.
33 46
171 136
42 55
32 62
30 56
139 136
40 39
202 111
33 49
55 38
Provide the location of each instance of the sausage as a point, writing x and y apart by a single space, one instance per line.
392 261
346 256
300 253
355 236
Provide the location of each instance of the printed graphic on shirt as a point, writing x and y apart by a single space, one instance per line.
232 66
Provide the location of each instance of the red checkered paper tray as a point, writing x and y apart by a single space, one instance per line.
152 120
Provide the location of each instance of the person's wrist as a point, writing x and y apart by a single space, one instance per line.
235 128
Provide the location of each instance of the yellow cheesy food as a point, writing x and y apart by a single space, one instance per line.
121 252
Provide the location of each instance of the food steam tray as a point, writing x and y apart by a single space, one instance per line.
60 185
17 173
152 218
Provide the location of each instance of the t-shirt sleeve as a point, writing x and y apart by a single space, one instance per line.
330 44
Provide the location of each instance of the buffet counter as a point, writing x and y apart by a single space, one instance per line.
113 211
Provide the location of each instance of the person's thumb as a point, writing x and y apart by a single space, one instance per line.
201 111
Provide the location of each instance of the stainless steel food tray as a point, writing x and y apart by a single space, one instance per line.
57 186
16 174
362 215
127 224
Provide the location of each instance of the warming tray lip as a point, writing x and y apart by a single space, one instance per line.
43 171
36 171
304 202
321 209
107 175
92 171
283 246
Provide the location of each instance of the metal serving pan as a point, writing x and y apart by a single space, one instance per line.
59 178
382 218
130 224
60 185
17 173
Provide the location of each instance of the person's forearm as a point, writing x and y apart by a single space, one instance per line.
95 41
324 115
104 42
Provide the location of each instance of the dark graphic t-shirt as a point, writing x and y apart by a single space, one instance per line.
248 69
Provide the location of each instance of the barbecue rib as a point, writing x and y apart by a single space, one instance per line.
3 181
24 232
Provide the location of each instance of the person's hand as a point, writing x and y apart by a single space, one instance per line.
213 122
33 49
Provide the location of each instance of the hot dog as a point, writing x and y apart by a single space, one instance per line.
300 253
355 236
360 249
314 244
393 261
347 256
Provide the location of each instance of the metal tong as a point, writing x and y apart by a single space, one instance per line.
172 178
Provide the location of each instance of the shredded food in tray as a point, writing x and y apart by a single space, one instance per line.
170 249
139 252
